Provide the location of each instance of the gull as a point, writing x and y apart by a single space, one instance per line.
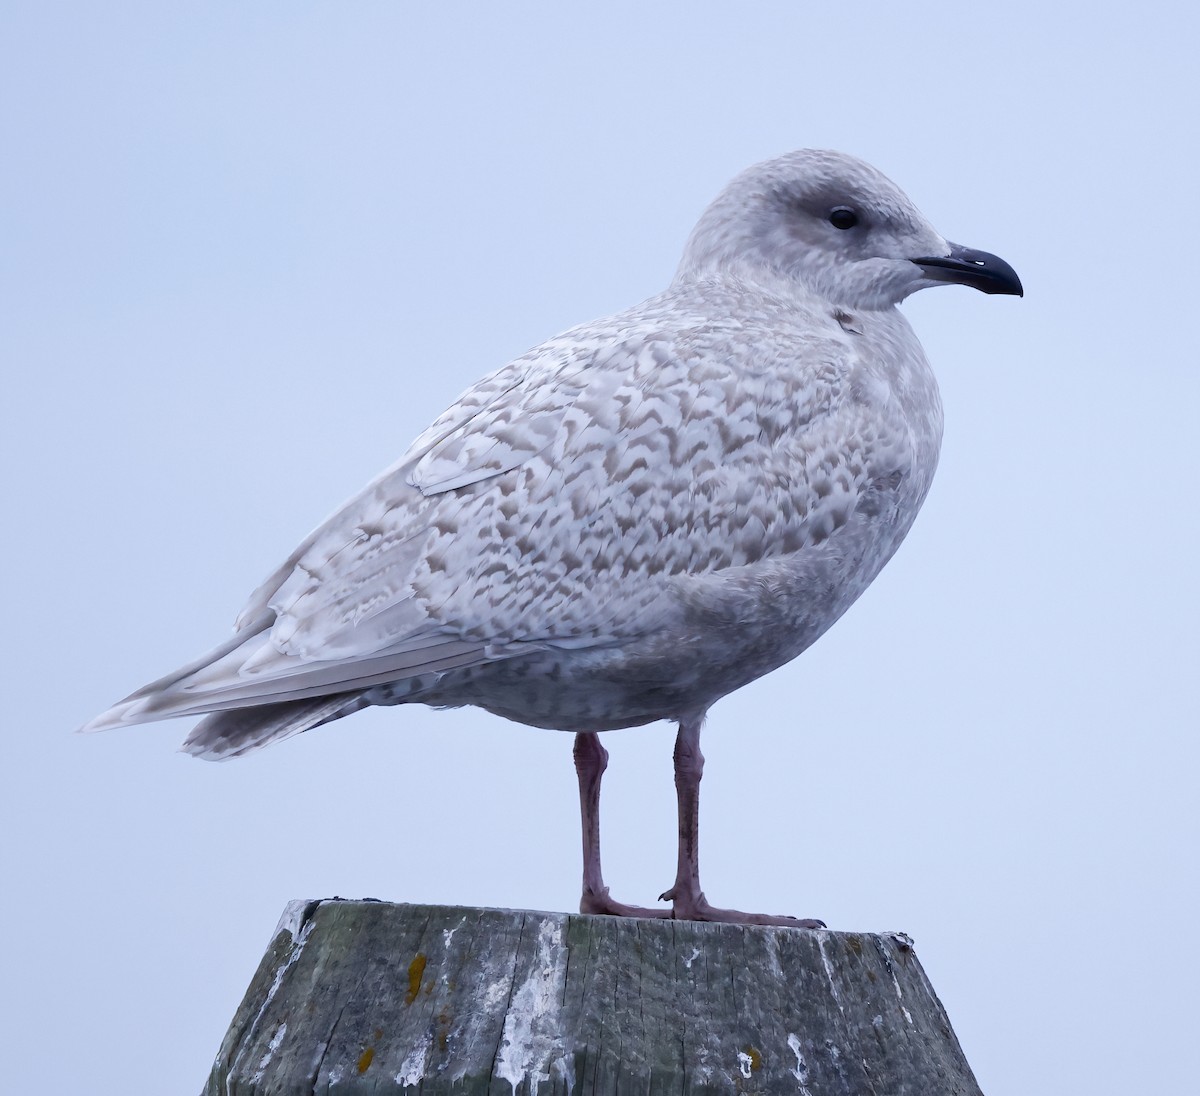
633 519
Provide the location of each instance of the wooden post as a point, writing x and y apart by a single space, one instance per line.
372 997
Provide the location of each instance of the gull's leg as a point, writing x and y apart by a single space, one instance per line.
591 759
686 898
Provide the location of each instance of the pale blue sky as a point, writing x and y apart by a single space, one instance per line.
247 252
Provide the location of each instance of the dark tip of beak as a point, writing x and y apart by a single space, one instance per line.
979 269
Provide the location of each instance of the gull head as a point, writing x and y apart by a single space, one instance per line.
835 227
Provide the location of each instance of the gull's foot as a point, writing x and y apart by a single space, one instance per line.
603 903
695 907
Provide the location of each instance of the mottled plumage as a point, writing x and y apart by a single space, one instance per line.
637 516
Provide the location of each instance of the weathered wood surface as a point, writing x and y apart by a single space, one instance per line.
371 997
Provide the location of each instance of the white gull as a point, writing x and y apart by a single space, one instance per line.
636 517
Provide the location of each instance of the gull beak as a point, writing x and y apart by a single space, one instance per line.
980 270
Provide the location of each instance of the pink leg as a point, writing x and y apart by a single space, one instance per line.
591 759
687 899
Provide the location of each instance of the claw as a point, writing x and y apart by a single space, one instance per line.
697 908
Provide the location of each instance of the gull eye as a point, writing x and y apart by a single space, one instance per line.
843 217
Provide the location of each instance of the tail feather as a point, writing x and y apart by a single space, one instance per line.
223 735
219 681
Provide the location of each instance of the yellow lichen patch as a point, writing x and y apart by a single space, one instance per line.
854 942
755 1058
416 971
365 1059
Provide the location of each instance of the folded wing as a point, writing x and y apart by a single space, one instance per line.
553 506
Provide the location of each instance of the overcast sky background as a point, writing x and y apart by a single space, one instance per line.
247 252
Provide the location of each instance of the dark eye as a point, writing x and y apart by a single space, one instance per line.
843 217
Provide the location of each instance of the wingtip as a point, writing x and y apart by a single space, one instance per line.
105 721
125 713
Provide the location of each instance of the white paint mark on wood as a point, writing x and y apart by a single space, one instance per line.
495 994
899 994
829 973
565 1068
298 942
529 1045
448 934
290 923
292 918
745 1064
773 955
692 958
412 1069
800 1072
261 1069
